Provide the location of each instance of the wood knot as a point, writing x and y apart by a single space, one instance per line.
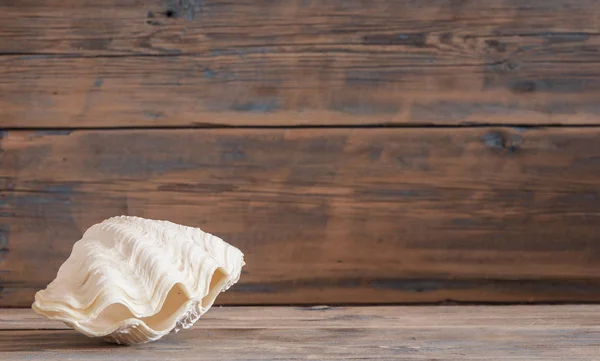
499 141
3 241
496 45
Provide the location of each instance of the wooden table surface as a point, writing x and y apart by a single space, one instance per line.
341 333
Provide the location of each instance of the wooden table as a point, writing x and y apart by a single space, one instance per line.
342 333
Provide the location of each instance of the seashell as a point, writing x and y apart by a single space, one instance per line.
132 280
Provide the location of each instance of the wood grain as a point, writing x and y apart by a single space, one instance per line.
553 333
324 216
326 317
108 63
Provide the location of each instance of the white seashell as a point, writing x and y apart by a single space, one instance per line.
132 280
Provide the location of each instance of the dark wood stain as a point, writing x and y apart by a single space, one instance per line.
210 188
565 85
494 140
189 9
364 107
552 286
4 247
92 44
418 40
53 132
496 45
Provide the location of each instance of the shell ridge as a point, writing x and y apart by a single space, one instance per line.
164 282
192 250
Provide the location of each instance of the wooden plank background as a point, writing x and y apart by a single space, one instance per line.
358 151
337 215
116 63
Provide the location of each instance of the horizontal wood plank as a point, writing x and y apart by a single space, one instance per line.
553 333
330 317
108 63
323 216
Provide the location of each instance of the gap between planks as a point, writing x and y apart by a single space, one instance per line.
210 126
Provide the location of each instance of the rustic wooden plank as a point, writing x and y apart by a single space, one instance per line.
554 344
325 317
147 27
108 63
324 216
512 335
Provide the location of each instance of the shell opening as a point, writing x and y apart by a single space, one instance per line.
165 318
216 285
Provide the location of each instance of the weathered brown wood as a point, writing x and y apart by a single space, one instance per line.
324 216
109 63
326 317
480 333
